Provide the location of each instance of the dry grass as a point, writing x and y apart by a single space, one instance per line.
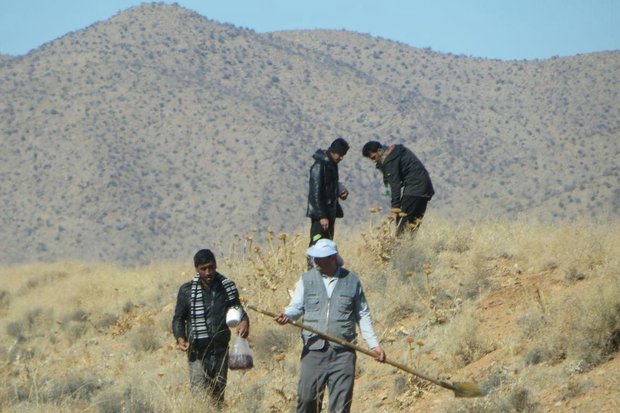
526 310
581 329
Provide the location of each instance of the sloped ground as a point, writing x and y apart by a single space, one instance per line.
513 308
500 312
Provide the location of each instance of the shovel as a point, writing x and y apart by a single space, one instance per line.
462 389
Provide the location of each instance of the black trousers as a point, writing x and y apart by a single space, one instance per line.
317 232
208 371
414 207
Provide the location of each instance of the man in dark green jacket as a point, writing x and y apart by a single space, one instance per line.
407 179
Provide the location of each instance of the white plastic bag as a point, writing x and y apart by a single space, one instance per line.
240 355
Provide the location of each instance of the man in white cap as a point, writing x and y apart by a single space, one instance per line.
331 299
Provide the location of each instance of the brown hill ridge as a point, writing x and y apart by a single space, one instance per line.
158 131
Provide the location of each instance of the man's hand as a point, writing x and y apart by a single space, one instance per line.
324 223
380 354
343 195
182 344
282 319
243 329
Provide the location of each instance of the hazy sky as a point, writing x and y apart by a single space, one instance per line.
497 29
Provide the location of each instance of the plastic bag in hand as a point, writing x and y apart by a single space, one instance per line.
240 355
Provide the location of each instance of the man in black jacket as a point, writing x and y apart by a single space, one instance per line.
325 190
407 179
199 325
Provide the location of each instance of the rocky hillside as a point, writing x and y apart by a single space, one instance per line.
158 131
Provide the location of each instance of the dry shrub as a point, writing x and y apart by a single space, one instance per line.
474 285
538 355
145 338
75 329
379 241
459 343
5 302
403 310
4 354
41 280
404 304
408 387
574 388
75 387
534 322
250 400
408 257
573 275
520 400
75 324
269 264
16 330
535 325
36 322
458 240
106 320
128 307
588 326
269 342
578 249
32 391
512 397
19 352
454 262
35 317
584 329
132 399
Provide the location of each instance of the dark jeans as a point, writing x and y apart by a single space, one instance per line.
208 370
317 232
414 207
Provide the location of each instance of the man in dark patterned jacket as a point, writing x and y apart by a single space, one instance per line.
199 325
325 190
406 178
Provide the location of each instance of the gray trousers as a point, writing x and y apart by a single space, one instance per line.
328 367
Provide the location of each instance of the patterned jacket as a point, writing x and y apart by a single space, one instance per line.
219 297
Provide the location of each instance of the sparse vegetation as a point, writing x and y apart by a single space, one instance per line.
118 143
533 339
137 138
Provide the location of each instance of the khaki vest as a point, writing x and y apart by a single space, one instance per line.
334 316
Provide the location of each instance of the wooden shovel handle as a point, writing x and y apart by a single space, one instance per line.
355 347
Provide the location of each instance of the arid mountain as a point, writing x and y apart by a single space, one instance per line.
159 131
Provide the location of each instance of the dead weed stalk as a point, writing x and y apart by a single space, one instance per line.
380 239
270 262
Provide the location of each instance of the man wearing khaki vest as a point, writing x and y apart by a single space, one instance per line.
331 299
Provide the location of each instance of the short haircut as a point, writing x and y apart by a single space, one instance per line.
339 146
371 147
203 257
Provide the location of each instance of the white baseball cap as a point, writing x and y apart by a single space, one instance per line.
325 248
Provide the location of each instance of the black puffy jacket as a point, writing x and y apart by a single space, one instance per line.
402 170
323 188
